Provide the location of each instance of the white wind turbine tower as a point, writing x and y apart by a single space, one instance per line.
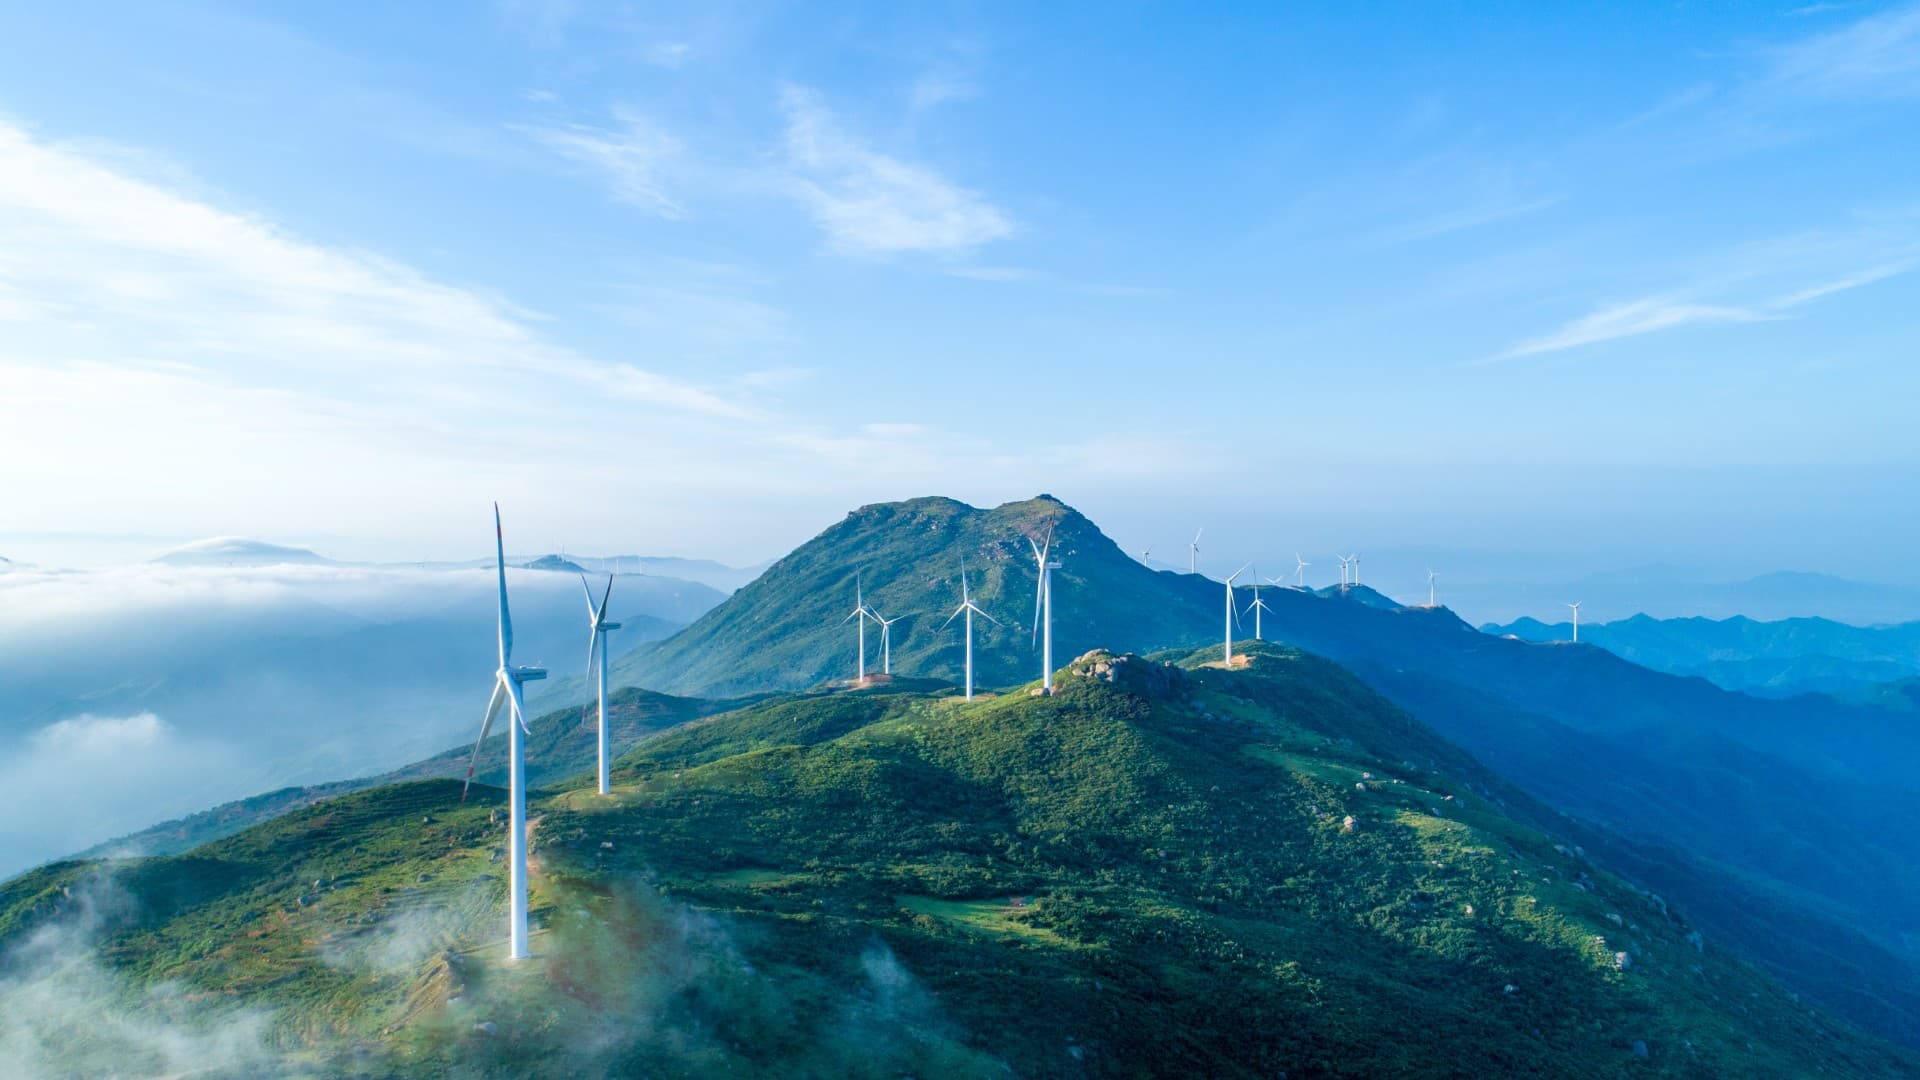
1431 599
861 613
597 642
1356 567
1300 571
1343 568
968 609
1193 558
1576 619
1043 607
1146 557
886 641
1233 613
506 690
1258 604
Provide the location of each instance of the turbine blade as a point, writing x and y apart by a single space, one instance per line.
1039 595
493 710
988 617
500 563
957 612
519 714
587 591
608 595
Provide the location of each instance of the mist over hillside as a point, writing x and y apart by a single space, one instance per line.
140 693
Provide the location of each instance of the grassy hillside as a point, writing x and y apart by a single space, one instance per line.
1162 870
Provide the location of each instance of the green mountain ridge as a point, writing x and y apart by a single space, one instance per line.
1161 870
1771 817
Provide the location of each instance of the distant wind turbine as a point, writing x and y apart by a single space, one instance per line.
1043 607
1147 555
1345 565
1576 619
1431 596
1356 568
968 609
861 613
1258 605
1233 613
597 642
1300 571
886 641
1193 563
506 690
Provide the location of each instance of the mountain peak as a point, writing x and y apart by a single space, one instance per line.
237 551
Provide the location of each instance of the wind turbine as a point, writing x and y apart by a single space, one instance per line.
968 609
1233 613
1431 601
861 613
1193 565
1146 557
1356 568
1345 560
1301 570
886 641
506 689
1043 606
597 641
1576 620
1258 604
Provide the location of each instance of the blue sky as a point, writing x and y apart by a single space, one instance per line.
1628 285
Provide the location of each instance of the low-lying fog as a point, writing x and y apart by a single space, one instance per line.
137 694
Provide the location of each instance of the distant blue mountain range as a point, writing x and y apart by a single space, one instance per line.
1776 658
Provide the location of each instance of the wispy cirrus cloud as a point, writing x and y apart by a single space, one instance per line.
1876 57
1474 216
1842 284
1767 283
633 158
874 205
1631 319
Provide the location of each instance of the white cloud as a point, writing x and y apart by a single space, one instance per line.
668 54
935 89
131 268
1843 284
1470 217
94 736
1630 319
872 204
86 778
65 1012
1759 281
1877 57
632 157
